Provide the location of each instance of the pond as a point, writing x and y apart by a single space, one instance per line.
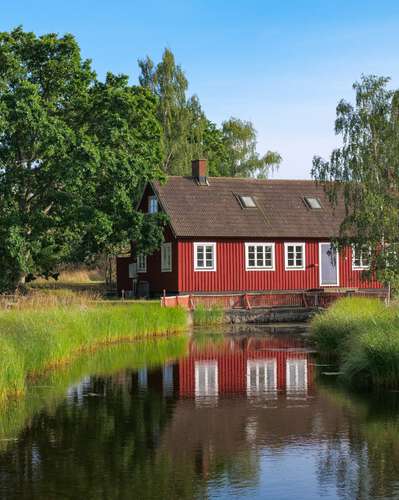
243 415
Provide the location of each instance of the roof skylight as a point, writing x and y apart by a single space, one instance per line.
313 203
247 201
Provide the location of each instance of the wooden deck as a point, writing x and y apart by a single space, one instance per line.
319 298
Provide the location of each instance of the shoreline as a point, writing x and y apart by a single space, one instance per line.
35 342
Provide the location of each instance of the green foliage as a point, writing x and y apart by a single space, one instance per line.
365 170
203 316
14 413
74 154
33 341
188 134
363 333
239 138
345 318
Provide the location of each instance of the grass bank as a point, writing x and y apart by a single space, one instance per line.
203 316
48 390
363 334
33 341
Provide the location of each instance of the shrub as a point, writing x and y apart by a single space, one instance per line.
364 335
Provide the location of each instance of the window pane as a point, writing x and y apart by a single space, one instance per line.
200 256
268 256
259 256
295 254
209 256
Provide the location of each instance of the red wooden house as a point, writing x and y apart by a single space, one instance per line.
243 235
251 366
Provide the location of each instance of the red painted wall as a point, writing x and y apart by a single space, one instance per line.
231 275
160 280
123 282
232 364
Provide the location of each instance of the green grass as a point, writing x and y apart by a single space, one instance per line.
203 316
363 334
46 391
32 342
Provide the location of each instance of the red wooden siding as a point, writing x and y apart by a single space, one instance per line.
230 274
232 363
123 282
157 279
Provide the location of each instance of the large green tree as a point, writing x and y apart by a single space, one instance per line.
168 83
187 133
365 171
73 153
239 138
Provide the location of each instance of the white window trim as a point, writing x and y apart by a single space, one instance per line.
144 268
295 268
166 269
257 363
150 199
207 390
338 263
260 243
354 266
290 385
204 269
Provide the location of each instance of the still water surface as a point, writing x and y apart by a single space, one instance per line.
214 416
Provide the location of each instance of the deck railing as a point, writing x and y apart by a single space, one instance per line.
309 299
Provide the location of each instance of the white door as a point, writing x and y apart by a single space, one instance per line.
328 265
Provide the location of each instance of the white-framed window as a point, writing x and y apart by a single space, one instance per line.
133 270
360 258
141 263
297 377
246 201
204 256
206 378
152 205
295 258
166 257
313 203
262 377
259 256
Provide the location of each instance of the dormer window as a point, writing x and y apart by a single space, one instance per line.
152 205
246 201
313 203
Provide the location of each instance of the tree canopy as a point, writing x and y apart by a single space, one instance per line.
187 133
73 153
76 152
365 171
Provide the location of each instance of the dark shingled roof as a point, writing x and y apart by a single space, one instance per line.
214 211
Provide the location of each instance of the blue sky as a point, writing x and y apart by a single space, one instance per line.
283 65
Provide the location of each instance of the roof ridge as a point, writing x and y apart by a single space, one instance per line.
251 179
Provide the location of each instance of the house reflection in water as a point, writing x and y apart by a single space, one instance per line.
260 368
221 391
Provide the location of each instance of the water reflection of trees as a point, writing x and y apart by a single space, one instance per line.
362 457
127 435
102 446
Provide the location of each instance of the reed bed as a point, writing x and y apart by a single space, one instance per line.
47 391
35 340
203 316
363 334
44 299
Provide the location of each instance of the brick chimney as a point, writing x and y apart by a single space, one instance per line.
199 170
